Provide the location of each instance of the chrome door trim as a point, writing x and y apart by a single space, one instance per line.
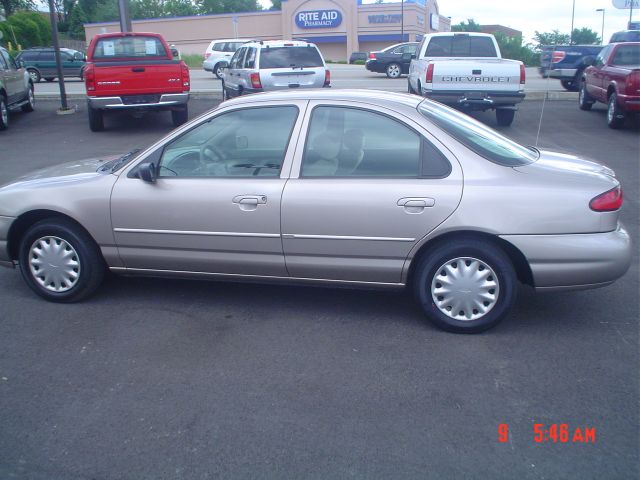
346 237
197 232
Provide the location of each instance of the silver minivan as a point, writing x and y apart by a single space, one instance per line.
274 65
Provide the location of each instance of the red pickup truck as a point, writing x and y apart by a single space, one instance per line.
134 71
613 78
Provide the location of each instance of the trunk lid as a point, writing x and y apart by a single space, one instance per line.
476 74
136 77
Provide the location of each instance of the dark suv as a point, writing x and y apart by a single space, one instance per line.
41 63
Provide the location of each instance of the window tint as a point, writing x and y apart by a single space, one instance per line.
219 47
129 47
627 55
250 59
236 60
233 46
248 142
410 49
350 142
461 46
478 137
28 56
283 57
46 57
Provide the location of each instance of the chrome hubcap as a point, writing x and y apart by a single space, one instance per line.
4 113
32 100
465 288
610 111
54 264
394 71
33 75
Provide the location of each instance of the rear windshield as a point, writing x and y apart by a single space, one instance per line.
627 56
476 136
283 57
461 46
129 47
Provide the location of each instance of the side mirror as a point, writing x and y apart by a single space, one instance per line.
147 172
78 56
175 53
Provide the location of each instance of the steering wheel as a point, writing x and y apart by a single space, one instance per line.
212 160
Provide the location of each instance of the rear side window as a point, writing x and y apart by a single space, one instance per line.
29 56
627 55
129 47
461 46
46 57
284 57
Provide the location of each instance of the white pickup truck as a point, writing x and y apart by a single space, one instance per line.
466 70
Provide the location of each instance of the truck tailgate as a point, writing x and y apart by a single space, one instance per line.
136 77
480 74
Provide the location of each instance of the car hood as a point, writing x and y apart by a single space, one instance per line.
561 163
65 172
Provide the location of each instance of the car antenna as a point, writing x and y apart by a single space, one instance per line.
544 98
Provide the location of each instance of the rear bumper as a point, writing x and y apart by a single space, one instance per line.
575 262
629 103
466 99
374 66
563 73
115 103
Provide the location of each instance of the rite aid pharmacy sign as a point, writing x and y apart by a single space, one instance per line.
318 19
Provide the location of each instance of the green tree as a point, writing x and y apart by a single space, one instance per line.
585 36
27 29
227 6
77 19
512 47
179 8
276 5
12 6
550 38
469 26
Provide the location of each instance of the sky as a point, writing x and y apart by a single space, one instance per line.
541 15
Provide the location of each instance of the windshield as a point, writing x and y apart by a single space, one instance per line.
284 57
476 136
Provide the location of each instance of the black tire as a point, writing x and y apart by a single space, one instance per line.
96 119
570 85
34 74
393 70
615 115
225 95
82 74
585 102
410 88
30 106
505 116
90 264
500 282
50 79
4 113
178 117
217 71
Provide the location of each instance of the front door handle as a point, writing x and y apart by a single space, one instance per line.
249 202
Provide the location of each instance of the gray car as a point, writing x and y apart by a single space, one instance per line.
336 188
274 65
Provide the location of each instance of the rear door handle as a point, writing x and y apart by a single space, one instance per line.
415 204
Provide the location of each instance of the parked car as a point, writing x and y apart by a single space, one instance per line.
625 36
274 65
467 70
41 63
136 72
613 79
393 60
219 50
566 63
16 88
344 187
357 57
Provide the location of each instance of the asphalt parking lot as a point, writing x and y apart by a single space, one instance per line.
169 379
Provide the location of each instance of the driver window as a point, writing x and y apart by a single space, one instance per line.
236 60
249 142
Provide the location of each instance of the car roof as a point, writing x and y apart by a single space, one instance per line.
244 40
279 43
360 95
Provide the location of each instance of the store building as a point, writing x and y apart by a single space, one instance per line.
338 27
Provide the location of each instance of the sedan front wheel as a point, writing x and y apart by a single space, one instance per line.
466 286
60 261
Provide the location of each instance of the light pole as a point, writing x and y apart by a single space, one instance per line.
402 20
573 12
602 37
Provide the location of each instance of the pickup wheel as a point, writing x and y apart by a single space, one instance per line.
49 79
409 87
34 74
615 115
504 117
180 116
4 113
393 70
96 120
31 100
585 102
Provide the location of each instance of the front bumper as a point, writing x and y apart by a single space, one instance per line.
115 103
563 73
474 100
577 261
5 225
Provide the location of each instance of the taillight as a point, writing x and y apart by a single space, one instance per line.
327 78
558 56
207 55
184 74
607 201
429 76
372 55
90 77
523 74
255 80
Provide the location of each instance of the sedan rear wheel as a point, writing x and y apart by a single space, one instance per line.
4 113
466 286
393 70
60 262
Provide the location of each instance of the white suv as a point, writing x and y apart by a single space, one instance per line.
260 66
221 50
